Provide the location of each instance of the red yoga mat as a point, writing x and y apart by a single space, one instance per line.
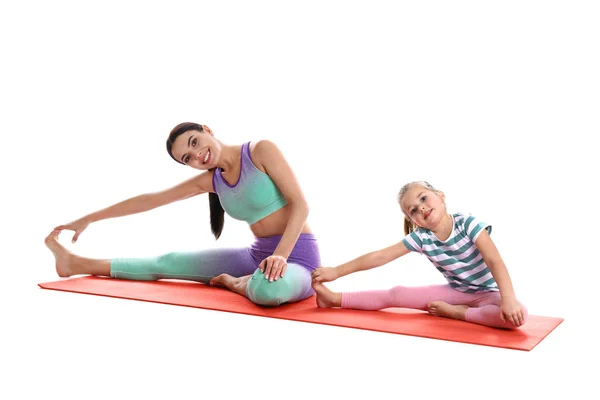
392 320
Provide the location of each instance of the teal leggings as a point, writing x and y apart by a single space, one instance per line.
201 266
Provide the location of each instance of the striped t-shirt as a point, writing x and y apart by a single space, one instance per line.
457 258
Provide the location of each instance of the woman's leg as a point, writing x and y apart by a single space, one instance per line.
234 269
198 266
235 284
294 286
68 264
296 282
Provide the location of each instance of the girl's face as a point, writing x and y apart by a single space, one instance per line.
425 208
198 150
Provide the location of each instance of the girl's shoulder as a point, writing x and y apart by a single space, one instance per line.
470 224
462 218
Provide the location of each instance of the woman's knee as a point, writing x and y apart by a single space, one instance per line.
294 286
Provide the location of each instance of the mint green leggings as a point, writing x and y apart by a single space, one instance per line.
201 266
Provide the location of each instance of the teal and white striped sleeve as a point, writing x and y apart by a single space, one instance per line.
473 226
413 242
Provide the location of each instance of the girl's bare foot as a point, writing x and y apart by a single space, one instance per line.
443 309
64 259
325 297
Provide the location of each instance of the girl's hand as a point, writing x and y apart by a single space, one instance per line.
78 226
512 310
273 267
324 274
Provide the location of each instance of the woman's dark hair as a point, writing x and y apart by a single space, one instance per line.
217 213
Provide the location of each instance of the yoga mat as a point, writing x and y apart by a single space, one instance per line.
392 320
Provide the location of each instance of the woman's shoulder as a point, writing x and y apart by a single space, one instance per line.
262 146
261 151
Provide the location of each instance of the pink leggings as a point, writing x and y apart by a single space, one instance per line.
484 307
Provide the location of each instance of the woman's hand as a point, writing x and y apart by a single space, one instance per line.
512 310
325 274
77 226
273 267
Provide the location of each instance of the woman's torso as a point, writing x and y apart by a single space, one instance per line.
272 224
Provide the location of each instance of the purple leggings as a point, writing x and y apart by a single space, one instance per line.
484 307
202 265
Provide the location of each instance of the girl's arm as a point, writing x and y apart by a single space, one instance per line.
511 309
367 261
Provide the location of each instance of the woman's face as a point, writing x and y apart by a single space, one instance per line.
196 149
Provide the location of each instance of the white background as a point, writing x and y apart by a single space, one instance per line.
495 104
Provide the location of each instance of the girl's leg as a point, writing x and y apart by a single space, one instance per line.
439 300
399 296
486 311
418 298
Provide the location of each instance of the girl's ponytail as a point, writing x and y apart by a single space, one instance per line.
408 226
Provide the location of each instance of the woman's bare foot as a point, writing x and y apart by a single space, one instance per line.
443 309
64 259
223 280
325 297
236 285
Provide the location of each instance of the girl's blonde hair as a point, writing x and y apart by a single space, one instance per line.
408 224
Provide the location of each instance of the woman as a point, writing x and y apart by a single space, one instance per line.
252 182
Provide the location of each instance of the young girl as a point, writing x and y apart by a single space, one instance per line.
479 287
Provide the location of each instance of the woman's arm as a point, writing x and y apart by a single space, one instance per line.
276 166
145 202
194 186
